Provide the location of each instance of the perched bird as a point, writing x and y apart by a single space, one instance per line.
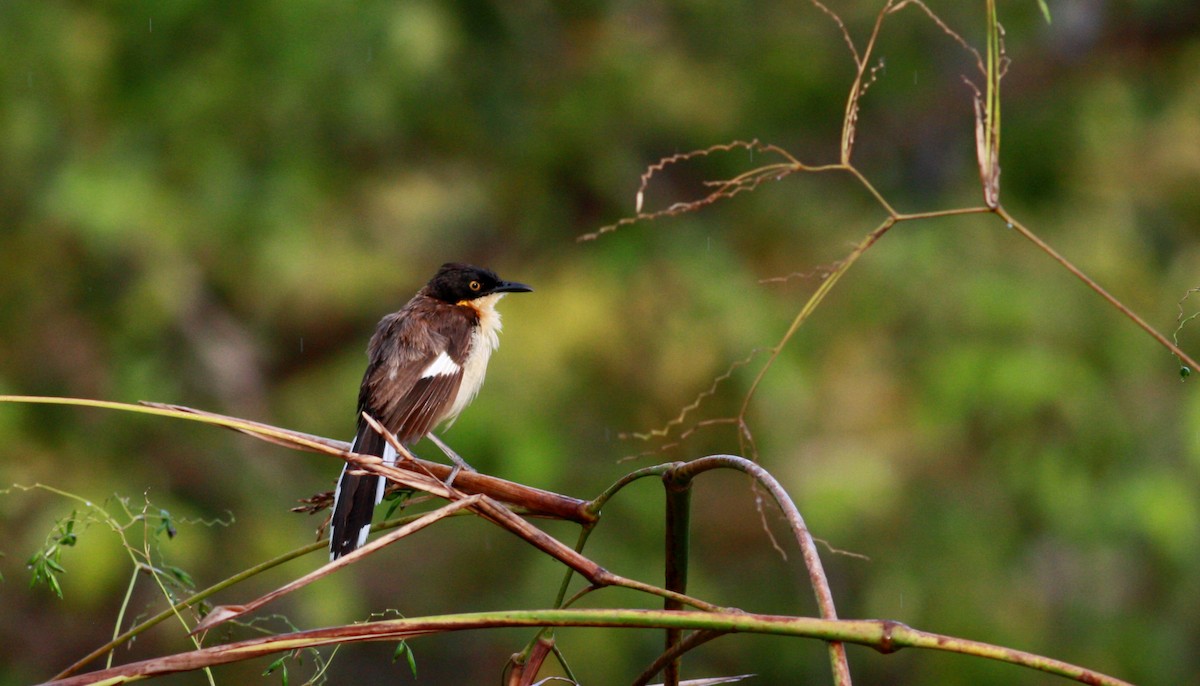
426 363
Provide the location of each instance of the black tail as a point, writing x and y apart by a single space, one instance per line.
354 500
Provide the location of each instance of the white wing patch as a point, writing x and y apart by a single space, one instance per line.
442 365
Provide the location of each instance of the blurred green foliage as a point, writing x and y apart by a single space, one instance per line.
212 203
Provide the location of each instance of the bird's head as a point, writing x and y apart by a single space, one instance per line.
455 283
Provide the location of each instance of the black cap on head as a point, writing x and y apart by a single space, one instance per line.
456 282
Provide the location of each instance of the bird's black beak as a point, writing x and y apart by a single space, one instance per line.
511 287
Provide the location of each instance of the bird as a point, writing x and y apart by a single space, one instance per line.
426 362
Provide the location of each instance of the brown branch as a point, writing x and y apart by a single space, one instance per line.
534 500
883 635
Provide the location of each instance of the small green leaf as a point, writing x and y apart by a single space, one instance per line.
1045 10
402 650
278 664
52 582
181 576
273 666
44 570
165 524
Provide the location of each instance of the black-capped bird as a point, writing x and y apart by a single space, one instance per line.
426 363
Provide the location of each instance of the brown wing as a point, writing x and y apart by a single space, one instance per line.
415 369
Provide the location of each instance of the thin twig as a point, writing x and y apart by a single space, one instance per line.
224 613
1097 288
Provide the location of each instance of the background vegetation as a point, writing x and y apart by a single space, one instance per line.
212 204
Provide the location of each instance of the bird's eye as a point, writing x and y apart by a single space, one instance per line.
475 285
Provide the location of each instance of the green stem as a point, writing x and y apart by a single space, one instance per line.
678 503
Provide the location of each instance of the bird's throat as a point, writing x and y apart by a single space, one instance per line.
484 339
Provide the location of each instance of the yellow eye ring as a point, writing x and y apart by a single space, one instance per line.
475 285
